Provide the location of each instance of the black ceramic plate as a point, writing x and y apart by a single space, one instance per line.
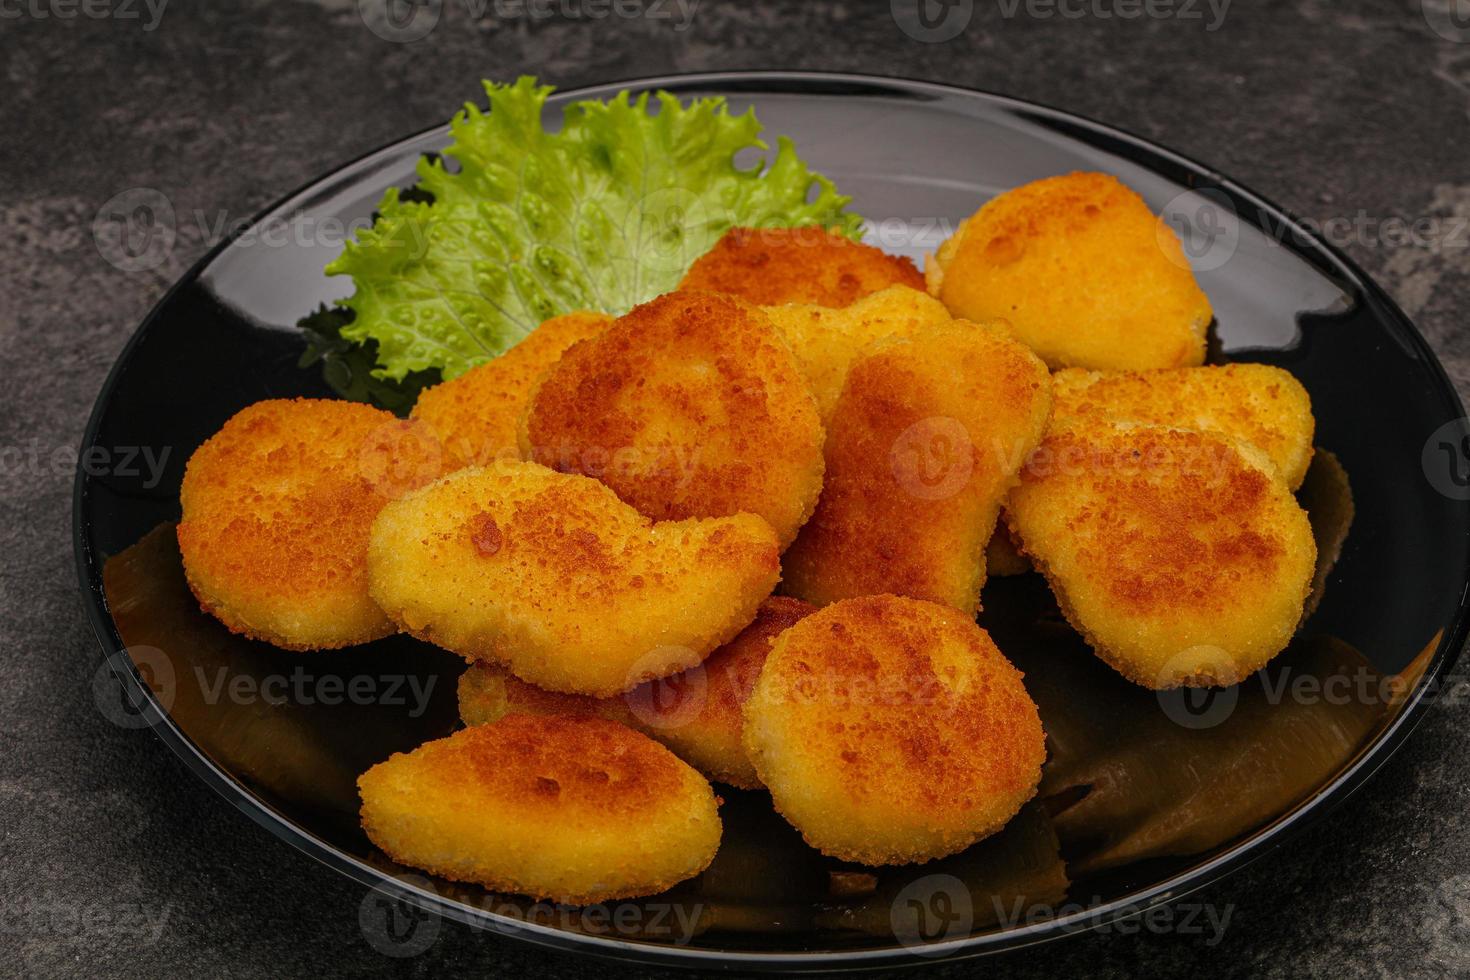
1145 797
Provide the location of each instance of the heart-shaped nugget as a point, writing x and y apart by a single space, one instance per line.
553 576
1180 555
691 405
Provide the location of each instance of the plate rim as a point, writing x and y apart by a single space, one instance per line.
1302 242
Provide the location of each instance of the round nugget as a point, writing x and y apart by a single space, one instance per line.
277 508
772 266
1179 555
570 588
1084 272
573 810
475 415
892 731
691 405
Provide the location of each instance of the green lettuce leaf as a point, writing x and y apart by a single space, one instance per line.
524 224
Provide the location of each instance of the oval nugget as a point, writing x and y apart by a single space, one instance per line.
689 406
927 437
277 507
1254 403
1084 272
697 713
574 810
891 731
553 576
1179 555
476 415
771 266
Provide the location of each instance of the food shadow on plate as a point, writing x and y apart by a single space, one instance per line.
1138 784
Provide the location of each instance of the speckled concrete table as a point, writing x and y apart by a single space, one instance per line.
1347 109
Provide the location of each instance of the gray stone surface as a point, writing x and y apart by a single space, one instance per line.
1330 107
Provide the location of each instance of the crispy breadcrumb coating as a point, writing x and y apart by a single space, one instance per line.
697 713
826 341
770 266
691 405
892 731
1179 555
1084 272
1254 403
551 575
276 511
572 810
476 415
927 437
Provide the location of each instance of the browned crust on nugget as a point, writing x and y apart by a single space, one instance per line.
691 405
924 442
277 509
574 810
773 266
891 730
1258 404
1086 274
1179 555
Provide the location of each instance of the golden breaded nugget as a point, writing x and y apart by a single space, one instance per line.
573 810
890 731
1255 403
769 266
926 439
691 405
553 576
1084 272
476 414
1179 555
276 511
826 341
696 713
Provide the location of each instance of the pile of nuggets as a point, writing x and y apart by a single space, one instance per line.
740 533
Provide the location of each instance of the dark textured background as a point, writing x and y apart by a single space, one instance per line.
1329 107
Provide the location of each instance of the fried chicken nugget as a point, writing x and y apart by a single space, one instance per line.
691 405
826 341
475 416
927 437
1254 403
1083 270
573 810
1179 555
276 511
770 266
892 731
551 575
697 713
